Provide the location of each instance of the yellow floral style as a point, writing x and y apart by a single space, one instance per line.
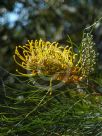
52 59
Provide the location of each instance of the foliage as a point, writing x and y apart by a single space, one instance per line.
66 112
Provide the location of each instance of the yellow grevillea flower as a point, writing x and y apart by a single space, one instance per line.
46 58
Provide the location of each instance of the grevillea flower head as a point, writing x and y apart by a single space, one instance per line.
46 58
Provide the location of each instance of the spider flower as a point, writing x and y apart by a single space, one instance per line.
52 59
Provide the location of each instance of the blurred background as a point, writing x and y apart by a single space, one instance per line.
53 20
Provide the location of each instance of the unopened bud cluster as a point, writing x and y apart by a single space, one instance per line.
88 55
